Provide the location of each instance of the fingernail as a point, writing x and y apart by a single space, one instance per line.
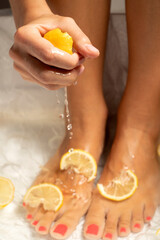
148 218
137 225
92 229
123 229
91 49
29 216
24 204
108 235
61 229
42 228
35 223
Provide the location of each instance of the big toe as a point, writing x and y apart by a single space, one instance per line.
66 224
94 223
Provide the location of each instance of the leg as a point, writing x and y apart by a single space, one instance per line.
138 128
88 115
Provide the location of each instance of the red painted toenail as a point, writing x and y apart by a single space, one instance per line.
123 229
41 228
61 229
137 225
24 204
29 216
35 223
148 218
108 235
92 229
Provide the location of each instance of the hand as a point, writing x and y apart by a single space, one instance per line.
37 60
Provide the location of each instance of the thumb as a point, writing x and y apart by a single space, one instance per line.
81 42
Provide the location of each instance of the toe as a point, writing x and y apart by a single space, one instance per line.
137 220
66 224
43 225
38 215
149 212
30 213
124 224
94 223
110 230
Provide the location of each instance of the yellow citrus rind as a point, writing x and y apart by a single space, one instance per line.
60 40
158 232
47 194
127 195
85 163
7 190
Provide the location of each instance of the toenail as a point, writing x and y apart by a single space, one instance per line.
41 228
92 229
35 223
24 204
148 218
137 225
123 229
61 229
29 216
108 235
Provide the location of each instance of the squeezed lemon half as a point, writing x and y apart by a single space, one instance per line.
60 40
120 188
81 162
7 190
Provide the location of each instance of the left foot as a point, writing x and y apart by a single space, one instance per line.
108 219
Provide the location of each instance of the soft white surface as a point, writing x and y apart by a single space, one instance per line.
30 132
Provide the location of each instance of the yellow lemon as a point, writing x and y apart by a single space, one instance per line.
47 194
121 187
60 40
7 190
81 162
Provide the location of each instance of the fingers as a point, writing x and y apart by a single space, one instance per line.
30 39
33 70
82 43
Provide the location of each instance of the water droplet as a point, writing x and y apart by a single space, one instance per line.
71 133
71 150
58 102
66 102
75 83
61 115
69 127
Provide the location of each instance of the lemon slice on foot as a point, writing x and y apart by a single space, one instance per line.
6 192
121 187
60 40
47 194
81 162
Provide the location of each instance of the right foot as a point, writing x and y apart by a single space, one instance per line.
76 190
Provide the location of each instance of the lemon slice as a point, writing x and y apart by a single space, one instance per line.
6 192
158 232
47 194
81 162
60 40
121 187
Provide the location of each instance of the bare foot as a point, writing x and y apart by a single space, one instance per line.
109 219
76 190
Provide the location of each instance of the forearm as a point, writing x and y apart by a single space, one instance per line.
25 11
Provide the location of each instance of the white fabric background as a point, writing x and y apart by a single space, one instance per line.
30 129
